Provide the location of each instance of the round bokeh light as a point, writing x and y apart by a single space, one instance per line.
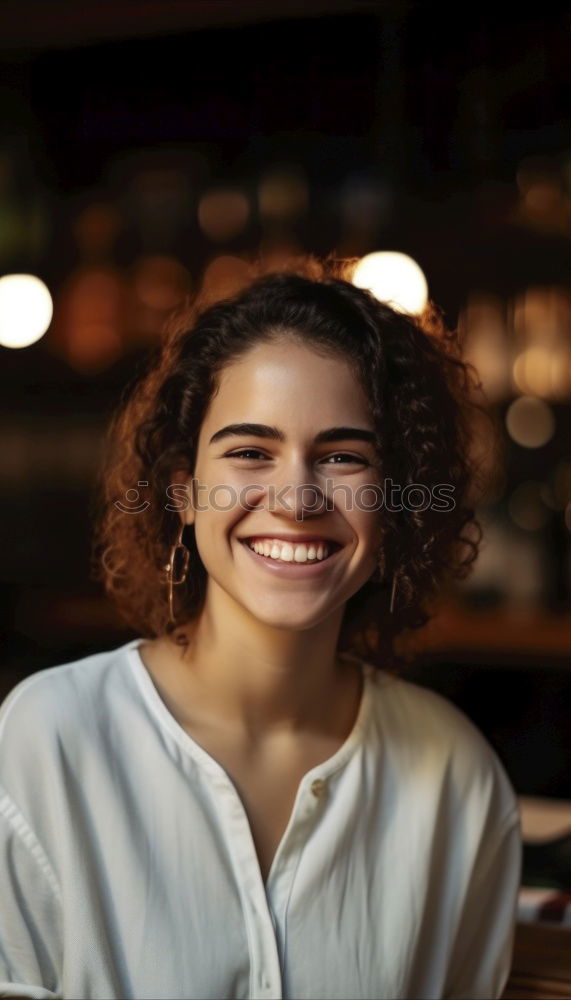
394 278
26 310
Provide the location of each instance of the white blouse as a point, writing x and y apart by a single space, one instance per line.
128 869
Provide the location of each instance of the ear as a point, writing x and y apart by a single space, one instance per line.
183 495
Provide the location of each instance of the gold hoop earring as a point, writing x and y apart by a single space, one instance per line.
172 579
377 578
393 594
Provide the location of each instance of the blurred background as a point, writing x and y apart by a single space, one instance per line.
147 149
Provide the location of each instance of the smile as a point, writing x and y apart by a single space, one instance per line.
299 552
293 559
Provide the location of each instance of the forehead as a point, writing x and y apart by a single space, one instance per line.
291 383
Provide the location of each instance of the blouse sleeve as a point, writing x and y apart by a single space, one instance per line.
30 912
483 944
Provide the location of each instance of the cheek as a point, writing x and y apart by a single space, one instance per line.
214 527
365 516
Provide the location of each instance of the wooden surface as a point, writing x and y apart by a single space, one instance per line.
522 987
541 966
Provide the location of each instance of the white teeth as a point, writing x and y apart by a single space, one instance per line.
288 552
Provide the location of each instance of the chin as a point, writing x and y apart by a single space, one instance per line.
295 622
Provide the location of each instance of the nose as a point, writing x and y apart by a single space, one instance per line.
296 492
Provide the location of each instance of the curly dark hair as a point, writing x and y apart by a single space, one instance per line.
421 397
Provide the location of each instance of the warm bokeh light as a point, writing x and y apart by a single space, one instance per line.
394 278
26 310
482 324
277 251
560 371
544 203
538 371
532 372
541 325
95 347
96 228
160 282
223 214
542 315
526 506
283 194
224 276
90 319
530 422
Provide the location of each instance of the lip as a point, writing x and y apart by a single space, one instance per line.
291 570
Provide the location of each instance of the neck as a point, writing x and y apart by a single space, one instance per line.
262 679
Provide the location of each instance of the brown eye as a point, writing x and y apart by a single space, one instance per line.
246 453
355 459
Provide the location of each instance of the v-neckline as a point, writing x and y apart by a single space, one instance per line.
320 771
165 716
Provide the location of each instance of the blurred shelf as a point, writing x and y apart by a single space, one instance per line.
47 615
34 24
456 628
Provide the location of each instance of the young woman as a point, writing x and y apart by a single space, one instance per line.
246 800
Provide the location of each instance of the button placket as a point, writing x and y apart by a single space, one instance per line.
265 970
299 827
305 816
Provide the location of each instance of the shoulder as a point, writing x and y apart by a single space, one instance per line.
52 688
68 699
426 736
401 703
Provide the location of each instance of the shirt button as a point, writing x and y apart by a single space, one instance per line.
317 787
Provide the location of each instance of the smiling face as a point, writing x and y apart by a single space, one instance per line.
248 486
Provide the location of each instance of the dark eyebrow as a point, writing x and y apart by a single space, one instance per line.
265 431
248 430
346 434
